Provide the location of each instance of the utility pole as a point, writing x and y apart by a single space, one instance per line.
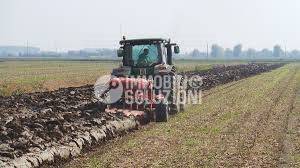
55 46
27 49
285 52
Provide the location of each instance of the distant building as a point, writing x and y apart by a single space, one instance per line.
18 51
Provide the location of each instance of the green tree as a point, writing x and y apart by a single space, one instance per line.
237 50
277 51
228 53
195 53
295 54
251 53
265 53
217 51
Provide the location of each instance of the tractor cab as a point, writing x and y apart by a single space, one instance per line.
144 56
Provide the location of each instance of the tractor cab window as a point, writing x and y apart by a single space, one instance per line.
145 55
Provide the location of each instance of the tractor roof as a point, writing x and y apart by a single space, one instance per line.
143 41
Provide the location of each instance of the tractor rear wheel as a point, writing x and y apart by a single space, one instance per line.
162 112
182 102
174 108
182 107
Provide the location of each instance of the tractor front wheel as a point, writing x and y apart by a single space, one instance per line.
162 112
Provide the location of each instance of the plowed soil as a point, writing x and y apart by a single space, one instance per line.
35 122
248 123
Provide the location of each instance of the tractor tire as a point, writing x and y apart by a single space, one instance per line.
174 109
162 113
182 105
174 106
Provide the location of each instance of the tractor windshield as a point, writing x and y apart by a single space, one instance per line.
145 55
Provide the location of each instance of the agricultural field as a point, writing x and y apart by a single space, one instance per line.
133 84
49 127
18 77
31 76
252 122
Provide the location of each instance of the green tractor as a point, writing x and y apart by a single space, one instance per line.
150 58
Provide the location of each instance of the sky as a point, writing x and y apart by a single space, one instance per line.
63 25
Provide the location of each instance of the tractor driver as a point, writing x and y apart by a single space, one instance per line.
143 58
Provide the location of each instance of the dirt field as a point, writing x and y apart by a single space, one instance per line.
44 127
249 123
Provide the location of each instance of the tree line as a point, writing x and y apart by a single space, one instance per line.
217 51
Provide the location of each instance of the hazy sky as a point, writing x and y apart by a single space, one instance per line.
75 24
